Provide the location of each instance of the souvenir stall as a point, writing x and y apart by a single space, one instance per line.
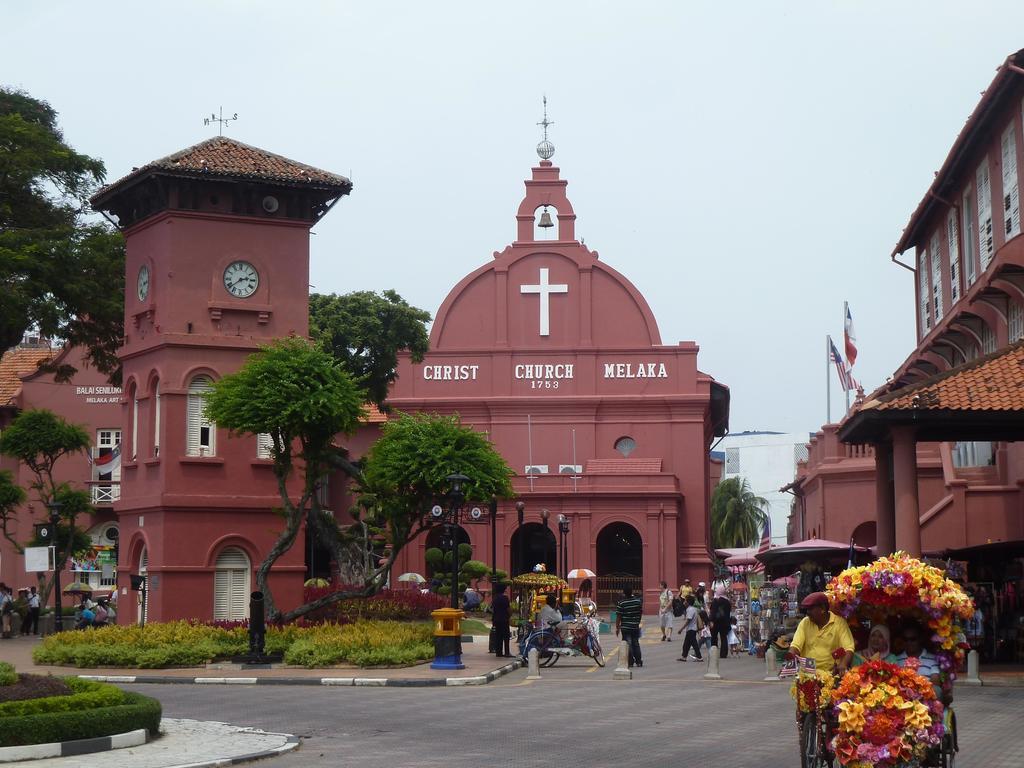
994 578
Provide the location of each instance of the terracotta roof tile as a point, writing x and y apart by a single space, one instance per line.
622 466
991 383
373 415
227 158
14 364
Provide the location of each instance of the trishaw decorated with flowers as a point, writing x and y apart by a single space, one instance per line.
577 635
884 712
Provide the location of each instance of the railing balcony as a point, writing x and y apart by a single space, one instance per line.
105 493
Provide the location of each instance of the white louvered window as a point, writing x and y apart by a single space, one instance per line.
988 340
986 241
231 586
1015 321
953 247
201 432
922 286
156 418
732 461
264 442
143 612
135 424
970 242
971 353
1011 191
936 253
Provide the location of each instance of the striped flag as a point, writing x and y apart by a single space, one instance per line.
850 338
766 537
109 462
845 379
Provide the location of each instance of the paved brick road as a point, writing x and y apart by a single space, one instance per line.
666 716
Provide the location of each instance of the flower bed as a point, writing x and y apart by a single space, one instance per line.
88 710
183 643
901 584
386 605
888 716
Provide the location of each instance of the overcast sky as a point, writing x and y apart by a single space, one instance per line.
748 165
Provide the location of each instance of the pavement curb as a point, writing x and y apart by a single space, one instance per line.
72 748
370 682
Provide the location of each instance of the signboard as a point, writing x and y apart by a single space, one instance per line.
97 557
37 559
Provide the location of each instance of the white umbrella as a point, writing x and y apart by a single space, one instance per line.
412 577
581 573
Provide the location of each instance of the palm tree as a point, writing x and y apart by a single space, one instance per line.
737 515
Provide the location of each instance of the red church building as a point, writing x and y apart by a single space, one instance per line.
551 352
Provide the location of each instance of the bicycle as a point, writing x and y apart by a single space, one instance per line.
814 716
552 645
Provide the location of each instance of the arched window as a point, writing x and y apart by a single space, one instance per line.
988 340
231 586
625 445
144 595
156 418
545 223
200 433
135 423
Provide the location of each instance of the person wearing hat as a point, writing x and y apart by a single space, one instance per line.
821 634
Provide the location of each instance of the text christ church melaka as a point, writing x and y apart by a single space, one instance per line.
558 358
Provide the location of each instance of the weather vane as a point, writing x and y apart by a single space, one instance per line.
221 120
545 148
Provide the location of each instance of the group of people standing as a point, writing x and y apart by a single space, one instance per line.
706 620
24 607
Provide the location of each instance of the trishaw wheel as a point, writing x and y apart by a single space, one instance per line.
550 660
595 649
811 748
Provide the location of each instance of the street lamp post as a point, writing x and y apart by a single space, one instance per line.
544 514
58 618
563 533
456 495
494 543
520 515
448 621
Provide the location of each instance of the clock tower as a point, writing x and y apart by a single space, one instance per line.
217 264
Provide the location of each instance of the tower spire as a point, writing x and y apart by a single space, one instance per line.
545 149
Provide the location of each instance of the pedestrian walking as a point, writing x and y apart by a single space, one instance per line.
734 640
628 613
33 610
6 611
500 616
665 615
720 613
691 621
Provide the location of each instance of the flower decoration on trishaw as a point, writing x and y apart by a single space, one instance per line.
889 715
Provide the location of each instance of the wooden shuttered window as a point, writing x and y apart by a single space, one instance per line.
264 442
986 241
135 425
970 241
231 586
1015 322
953 248
200 432
143 613
936 254
922 287
156 419
1011 190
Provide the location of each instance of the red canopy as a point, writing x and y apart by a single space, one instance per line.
823 550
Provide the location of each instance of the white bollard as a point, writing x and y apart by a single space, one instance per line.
622 671
712 673
533 665
771 674
973 677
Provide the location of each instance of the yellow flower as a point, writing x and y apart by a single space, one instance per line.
851 716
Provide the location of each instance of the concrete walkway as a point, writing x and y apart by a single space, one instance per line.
185 743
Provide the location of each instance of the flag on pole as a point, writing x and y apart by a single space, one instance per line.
766 537
109 462
845 380
850 338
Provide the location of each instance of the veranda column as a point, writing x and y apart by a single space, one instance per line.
904 470
885 512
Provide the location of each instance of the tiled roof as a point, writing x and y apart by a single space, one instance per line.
991 383
16 363
227 158
373 415
622 466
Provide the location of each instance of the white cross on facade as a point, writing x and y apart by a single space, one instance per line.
545 290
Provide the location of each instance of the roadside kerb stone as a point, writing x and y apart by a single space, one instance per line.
76 747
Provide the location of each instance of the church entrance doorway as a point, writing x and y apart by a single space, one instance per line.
438 539
531 544
620 563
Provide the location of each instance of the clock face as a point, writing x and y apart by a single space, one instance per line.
143 282
241 279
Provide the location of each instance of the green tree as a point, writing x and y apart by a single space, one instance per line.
737 514
302 397
12 496
59 273
39 439
366 331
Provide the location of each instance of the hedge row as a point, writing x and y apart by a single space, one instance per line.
7 674
87 694
136 712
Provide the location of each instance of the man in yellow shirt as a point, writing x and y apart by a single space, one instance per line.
821 633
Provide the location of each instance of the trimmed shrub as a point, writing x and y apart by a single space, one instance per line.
87 694
386 605
365 643
7 674
136 711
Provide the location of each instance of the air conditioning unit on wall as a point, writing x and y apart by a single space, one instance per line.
570 469
536 469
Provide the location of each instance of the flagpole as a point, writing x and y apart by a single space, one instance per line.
828 380
846 308
529 448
